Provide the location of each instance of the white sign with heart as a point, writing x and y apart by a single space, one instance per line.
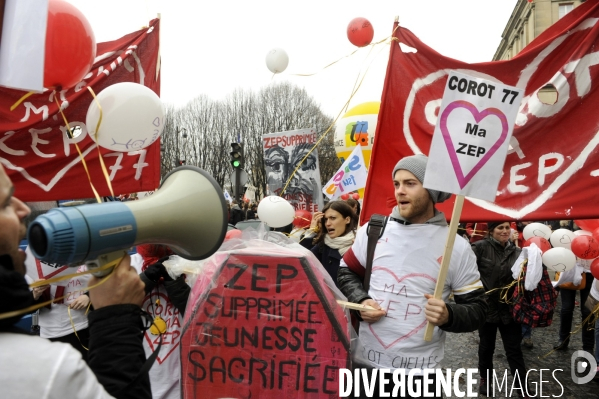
472 135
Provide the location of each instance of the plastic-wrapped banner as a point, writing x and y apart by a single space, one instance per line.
263 326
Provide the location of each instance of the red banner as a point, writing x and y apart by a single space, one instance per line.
262 327
552 168
35 150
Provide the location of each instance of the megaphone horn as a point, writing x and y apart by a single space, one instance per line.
188 213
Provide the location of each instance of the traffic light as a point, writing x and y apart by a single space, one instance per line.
237 156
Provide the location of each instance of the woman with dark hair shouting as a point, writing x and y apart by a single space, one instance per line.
335 230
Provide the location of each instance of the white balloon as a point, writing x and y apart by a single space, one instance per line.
275 211
559 259
277 60
582 233
562 238
132 117
536 230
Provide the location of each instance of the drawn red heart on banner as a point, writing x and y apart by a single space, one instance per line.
478 116
399 280
172 337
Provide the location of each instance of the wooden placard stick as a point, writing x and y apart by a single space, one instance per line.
354 306
453 229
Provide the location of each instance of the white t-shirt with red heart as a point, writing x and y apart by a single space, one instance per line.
166 370
406 264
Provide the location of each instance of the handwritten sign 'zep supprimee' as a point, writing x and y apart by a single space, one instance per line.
262 326
474 126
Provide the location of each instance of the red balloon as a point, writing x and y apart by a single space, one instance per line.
345 197
302 219
235 233
360 32
595 233
70 46
540 242
585 247
595 268
355 196
588 224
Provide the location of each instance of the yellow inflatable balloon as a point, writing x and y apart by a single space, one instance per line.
357 127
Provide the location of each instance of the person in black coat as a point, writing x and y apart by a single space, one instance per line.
336 227
495 256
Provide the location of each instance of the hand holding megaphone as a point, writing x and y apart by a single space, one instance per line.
188 213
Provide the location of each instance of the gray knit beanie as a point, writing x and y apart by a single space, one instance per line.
416 164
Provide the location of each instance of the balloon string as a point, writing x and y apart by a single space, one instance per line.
74 329
353 93
98 147
590 321
66 122
371 45
504 291
20 100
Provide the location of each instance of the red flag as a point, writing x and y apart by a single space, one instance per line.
552 168
34 149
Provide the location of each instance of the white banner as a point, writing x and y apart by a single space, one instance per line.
23 44
472 135
283 153
250 193
351 176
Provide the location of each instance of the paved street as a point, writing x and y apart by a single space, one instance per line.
461 351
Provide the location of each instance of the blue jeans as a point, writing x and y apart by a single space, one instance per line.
526 331
567 313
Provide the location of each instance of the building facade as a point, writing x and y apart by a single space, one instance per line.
528 20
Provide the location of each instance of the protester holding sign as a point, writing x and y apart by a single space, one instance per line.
405 266
496 254
65 319
53 369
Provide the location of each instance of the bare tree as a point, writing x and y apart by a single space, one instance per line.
200 133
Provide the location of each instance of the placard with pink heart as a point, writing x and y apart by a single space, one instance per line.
472 135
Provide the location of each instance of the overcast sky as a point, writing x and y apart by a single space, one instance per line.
214 47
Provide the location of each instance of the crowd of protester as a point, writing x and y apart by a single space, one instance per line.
480 268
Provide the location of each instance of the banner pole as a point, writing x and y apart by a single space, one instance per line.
453 229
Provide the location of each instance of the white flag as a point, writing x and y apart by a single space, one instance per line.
22 46
350 177
228 196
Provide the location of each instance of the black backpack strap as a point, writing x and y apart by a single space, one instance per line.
376 227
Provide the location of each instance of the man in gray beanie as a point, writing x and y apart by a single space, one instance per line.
404 273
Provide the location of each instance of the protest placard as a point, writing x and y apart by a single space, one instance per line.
472 135
351 176
469 146
249 333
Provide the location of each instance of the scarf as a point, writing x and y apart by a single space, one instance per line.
342 244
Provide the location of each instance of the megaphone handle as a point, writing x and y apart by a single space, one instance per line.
103 260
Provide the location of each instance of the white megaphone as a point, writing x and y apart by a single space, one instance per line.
188 213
